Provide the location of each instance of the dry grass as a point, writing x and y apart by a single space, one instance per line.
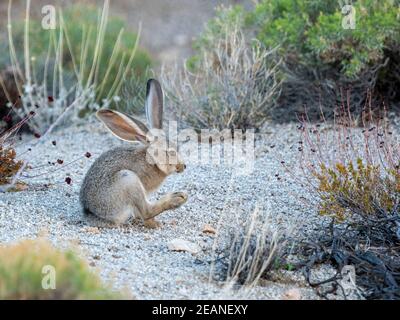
234 85
250 249
47 96
351 163
69 94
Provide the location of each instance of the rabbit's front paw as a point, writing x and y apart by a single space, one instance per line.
177 199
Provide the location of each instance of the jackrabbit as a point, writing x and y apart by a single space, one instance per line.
117 184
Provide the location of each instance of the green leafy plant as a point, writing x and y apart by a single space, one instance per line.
322 58
21 273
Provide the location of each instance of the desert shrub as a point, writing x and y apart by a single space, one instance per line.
21 273
79 23
352 169
361 189
234 85
322 61
356 169
251 249
9 165
76 68
318 50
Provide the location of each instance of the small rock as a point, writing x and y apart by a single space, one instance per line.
113 249
183 245
92 230
292 294
20 186
209 229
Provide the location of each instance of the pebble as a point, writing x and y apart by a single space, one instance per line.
183 245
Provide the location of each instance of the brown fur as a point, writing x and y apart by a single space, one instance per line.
117 184
103 193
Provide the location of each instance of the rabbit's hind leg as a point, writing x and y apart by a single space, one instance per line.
125 198
131 194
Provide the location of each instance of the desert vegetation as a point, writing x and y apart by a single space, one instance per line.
356 184
50 78
322 63
321 98
253 250
24 264
233 85
69 71
349 156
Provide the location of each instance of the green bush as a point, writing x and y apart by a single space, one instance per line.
321 58
79 44
21 273
312 32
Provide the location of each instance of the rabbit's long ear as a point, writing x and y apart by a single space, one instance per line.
139 123
154 104
123 126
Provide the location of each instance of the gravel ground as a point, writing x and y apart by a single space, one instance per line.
137 259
